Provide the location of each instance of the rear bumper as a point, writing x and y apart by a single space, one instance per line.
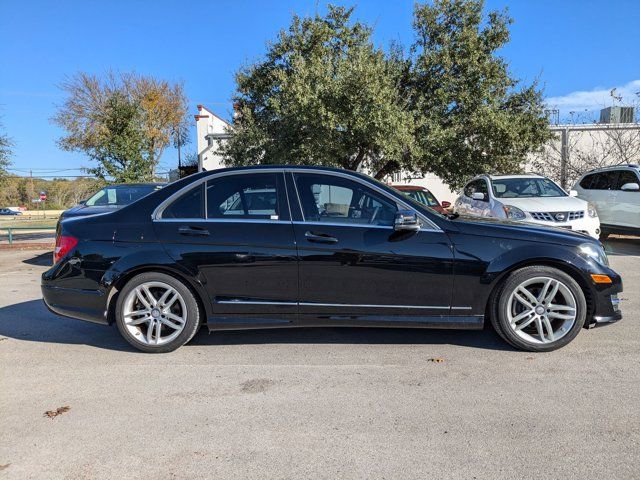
88 305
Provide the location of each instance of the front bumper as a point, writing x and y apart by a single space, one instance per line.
588 225
606 305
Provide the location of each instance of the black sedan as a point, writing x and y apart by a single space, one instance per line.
268 247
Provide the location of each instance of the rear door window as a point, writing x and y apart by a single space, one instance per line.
188 205
604 180
244 196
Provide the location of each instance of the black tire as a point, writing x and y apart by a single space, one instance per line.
191 324
499 307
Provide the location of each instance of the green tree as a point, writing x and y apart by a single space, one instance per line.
472 115
145 112
324 95
121 154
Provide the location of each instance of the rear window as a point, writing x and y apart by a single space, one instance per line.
120 195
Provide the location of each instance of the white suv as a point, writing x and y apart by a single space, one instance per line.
528 198
615 192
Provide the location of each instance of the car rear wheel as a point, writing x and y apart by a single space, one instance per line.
539 309
157 313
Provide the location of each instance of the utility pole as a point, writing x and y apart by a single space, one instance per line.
564 157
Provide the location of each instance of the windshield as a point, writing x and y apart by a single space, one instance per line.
120 195
525 188
423 196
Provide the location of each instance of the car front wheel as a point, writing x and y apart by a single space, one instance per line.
157 313
539 309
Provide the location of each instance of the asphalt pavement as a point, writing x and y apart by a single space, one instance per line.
313 403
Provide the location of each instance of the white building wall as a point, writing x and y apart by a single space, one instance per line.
208 125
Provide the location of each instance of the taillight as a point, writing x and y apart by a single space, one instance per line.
64 244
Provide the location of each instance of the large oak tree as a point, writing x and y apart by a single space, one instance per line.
325 95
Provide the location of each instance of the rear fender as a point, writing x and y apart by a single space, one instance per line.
136 262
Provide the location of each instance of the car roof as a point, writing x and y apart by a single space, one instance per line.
139 184
506 177
623 166
409 187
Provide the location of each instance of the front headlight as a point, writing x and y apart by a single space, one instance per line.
513 213
591 210
595 252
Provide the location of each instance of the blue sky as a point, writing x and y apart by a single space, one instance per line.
578 49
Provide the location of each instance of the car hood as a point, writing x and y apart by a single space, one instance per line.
83 210
499 228
546 204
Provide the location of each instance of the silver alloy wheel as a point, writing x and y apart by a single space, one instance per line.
154 313
541 310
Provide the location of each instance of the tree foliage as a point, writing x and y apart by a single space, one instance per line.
61 193
325 95
124 122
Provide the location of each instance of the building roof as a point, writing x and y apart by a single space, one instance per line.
204 112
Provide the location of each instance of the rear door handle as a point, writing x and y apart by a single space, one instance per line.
320 238
193 231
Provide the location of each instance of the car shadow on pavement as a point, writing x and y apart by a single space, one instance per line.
31 321
484 339
622 245
41 260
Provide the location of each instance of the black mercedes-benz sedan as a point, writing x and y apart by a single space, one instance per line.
268 247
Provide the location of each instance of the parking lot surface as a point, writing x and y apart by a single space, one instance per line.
313 403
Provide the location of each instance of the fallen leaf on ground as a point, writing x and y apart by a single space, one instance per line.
56 412
437 360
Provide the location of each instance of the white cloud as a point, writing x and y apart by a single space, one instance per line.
596 99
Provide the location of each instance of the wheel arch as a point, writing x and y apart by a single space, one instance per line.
562 265
119 281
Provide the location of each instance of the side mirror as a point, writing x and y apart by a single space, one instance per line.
631 187
406 221
445 204
82 202
479 196
573 193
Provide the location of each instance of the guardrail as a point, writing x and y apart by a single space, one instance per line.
34 228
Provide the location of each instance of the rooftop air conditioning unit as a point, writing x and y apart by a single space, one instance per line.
617 115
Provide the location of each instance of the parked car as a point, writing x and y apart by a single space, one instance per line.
325 247
528 198
111 198
615 193
424 196
8 211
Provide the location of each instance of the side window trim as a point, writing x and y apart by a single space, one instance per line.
156 215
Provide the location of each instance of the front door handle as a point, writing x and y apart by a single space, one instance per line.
320 238
193 231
